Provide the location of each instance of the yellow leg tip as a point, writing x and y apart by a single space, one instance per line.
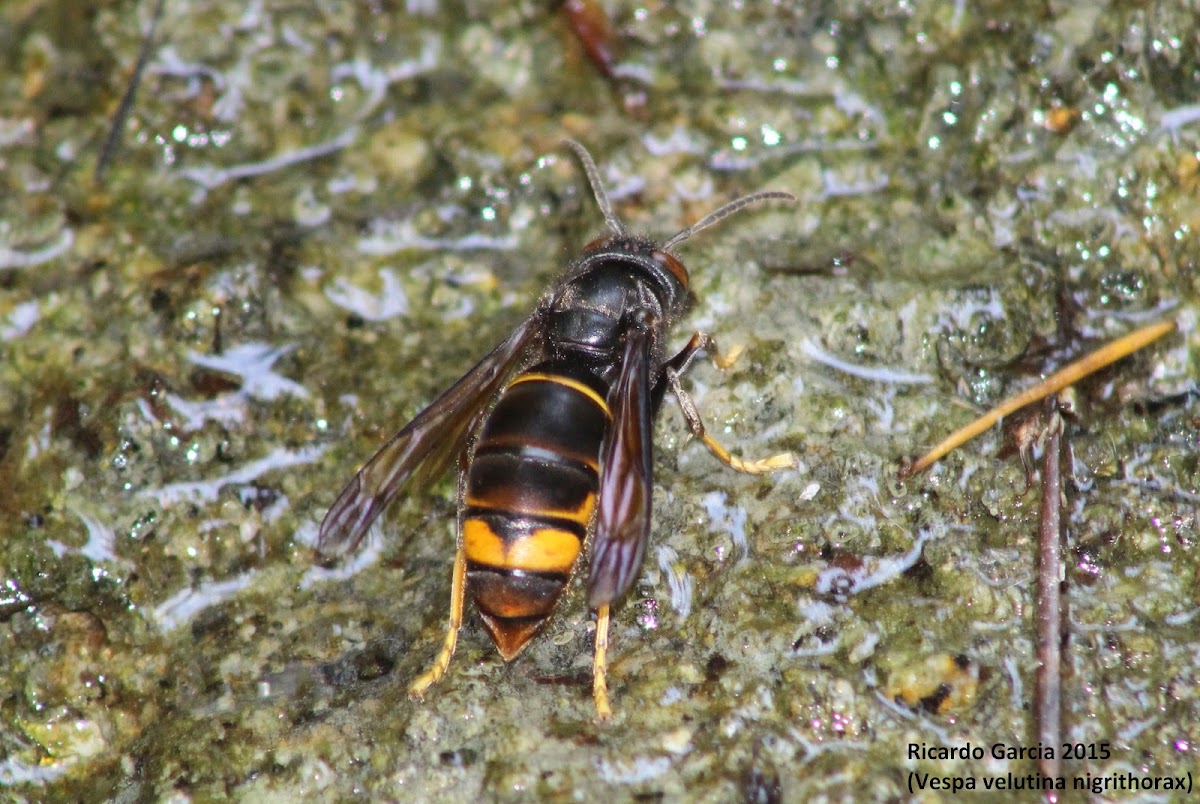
440 666
603 710
416 690
600 667
600 693
725 362
784 460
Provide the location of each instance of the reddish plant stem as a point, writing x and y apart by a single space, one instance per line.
1051 600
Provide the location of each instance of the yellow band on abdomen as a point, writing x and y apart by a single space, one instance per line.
545 550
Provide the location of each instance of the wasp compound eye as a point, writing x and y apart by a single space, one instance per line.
673 265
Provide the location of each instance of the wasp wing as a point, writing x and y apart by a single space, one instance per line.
623 506
442 425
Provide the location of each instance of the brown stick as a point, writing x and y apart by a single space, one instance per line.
1051 607
113 141
1068 375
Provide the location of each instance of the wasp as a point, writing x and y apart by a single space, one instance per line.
553 432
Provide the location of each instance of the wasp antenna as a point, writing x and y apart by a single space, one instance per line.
724 212
593 177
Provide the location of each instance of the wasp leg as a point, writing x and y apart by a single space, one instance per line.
671 371
679 364
727 361
600 665
457 591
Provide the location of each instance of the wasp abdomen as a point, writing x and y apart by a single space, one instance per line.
530 494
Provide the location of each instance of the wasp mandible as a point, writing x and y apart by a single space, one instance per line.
559 455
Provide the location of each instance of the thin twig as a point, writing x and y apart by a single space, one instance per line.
1069 375
113 141
1051 601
